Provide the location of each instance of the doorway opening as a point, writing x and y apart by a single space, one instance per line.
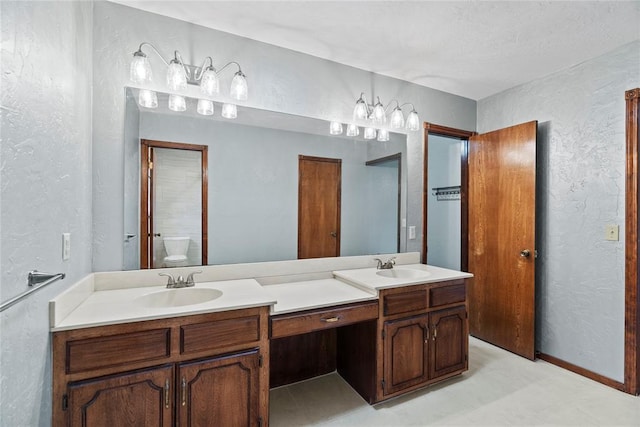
173 204
386 191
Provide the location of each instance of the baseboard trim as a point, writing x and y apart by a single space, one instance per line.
581 371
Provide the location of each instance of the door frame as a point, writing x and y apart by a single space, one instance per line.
632 303
463 136
146 220
398 157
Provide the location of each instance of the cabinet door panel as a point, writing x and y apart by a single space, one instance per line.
406 351
450 341
219 392
143 398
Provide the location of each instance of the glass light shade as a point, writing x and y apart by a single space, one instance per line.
177 103
360 110
413 121
369 133
147 98
229 111
140 70
176 76
335 128
377 115
239 89
205 107
353 130
210 83
383 135
397 118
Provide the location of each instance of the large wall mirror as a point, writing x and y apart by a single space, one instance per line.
204 189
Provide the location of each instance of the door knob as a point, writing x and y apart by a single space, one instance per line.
334 234
525 253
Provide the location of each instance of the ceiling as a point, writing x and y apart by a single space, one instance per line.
471 49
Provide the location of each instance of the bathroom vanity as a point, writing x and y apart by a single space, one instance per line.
127 349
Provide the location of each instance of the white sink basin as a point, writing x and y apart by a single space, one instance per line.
178 297
403 273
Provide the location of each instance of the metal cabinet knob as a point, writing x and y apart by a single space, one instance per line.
525 253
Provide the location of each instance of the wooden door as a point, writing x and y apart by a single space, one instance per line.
406 345
219 392
502 201
319 187
135 399
449 344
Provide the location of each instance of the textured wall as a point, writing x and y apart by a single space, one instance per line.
279 79
581 169
46 186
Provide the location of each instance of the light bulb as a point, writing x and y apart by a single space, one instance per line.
205 107
140 70
239 89
397 118
360 110
210 83
177 103
383 135
147 98
369 133
176 76
353 130
335 128
377 115
413 121
229 111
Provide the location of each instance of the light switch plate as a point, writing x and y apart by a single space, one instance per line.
612 232
66 246
412 232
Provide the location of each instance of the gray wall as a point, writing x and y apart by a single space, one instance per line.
253 186
279 79
581 172
46 186
443 229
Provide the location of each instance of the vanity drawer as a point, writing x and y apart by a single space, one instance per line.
449 294
198 337
314 320
116 350
405 302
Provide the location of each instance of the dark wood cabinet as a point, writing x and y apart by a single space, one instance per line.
222 391
199 370
449 342
424 336
143 398
406 351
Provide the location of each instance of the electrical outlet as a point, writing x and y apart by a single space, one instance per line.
66 246
412 232
611 232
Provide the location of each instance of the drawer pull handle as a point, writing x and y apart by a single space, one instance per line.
166 393
330 319
184 391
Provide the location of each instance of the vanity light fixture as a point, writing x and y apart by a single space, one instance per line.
335 128
369 133
180 75
376 114
353 130
383 135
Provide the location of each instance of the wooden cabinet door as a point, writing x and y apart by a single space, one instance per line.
142 398
406 344
449 341
222 391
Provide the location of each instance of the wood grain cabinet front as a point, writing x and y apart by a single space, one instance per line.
200 370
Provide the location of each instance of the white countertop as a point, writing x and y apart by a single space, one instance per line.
311 294
370 278
110 307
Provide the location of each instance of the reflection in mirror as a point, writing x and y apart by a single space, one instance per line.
252 199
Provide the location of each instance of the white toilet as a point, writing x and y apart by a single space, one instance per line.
176 248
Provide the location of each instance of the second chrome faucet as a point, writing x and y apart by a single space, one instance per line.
180 282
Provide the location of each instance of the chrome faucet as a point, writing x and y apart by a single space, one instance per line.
387 265
180 282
